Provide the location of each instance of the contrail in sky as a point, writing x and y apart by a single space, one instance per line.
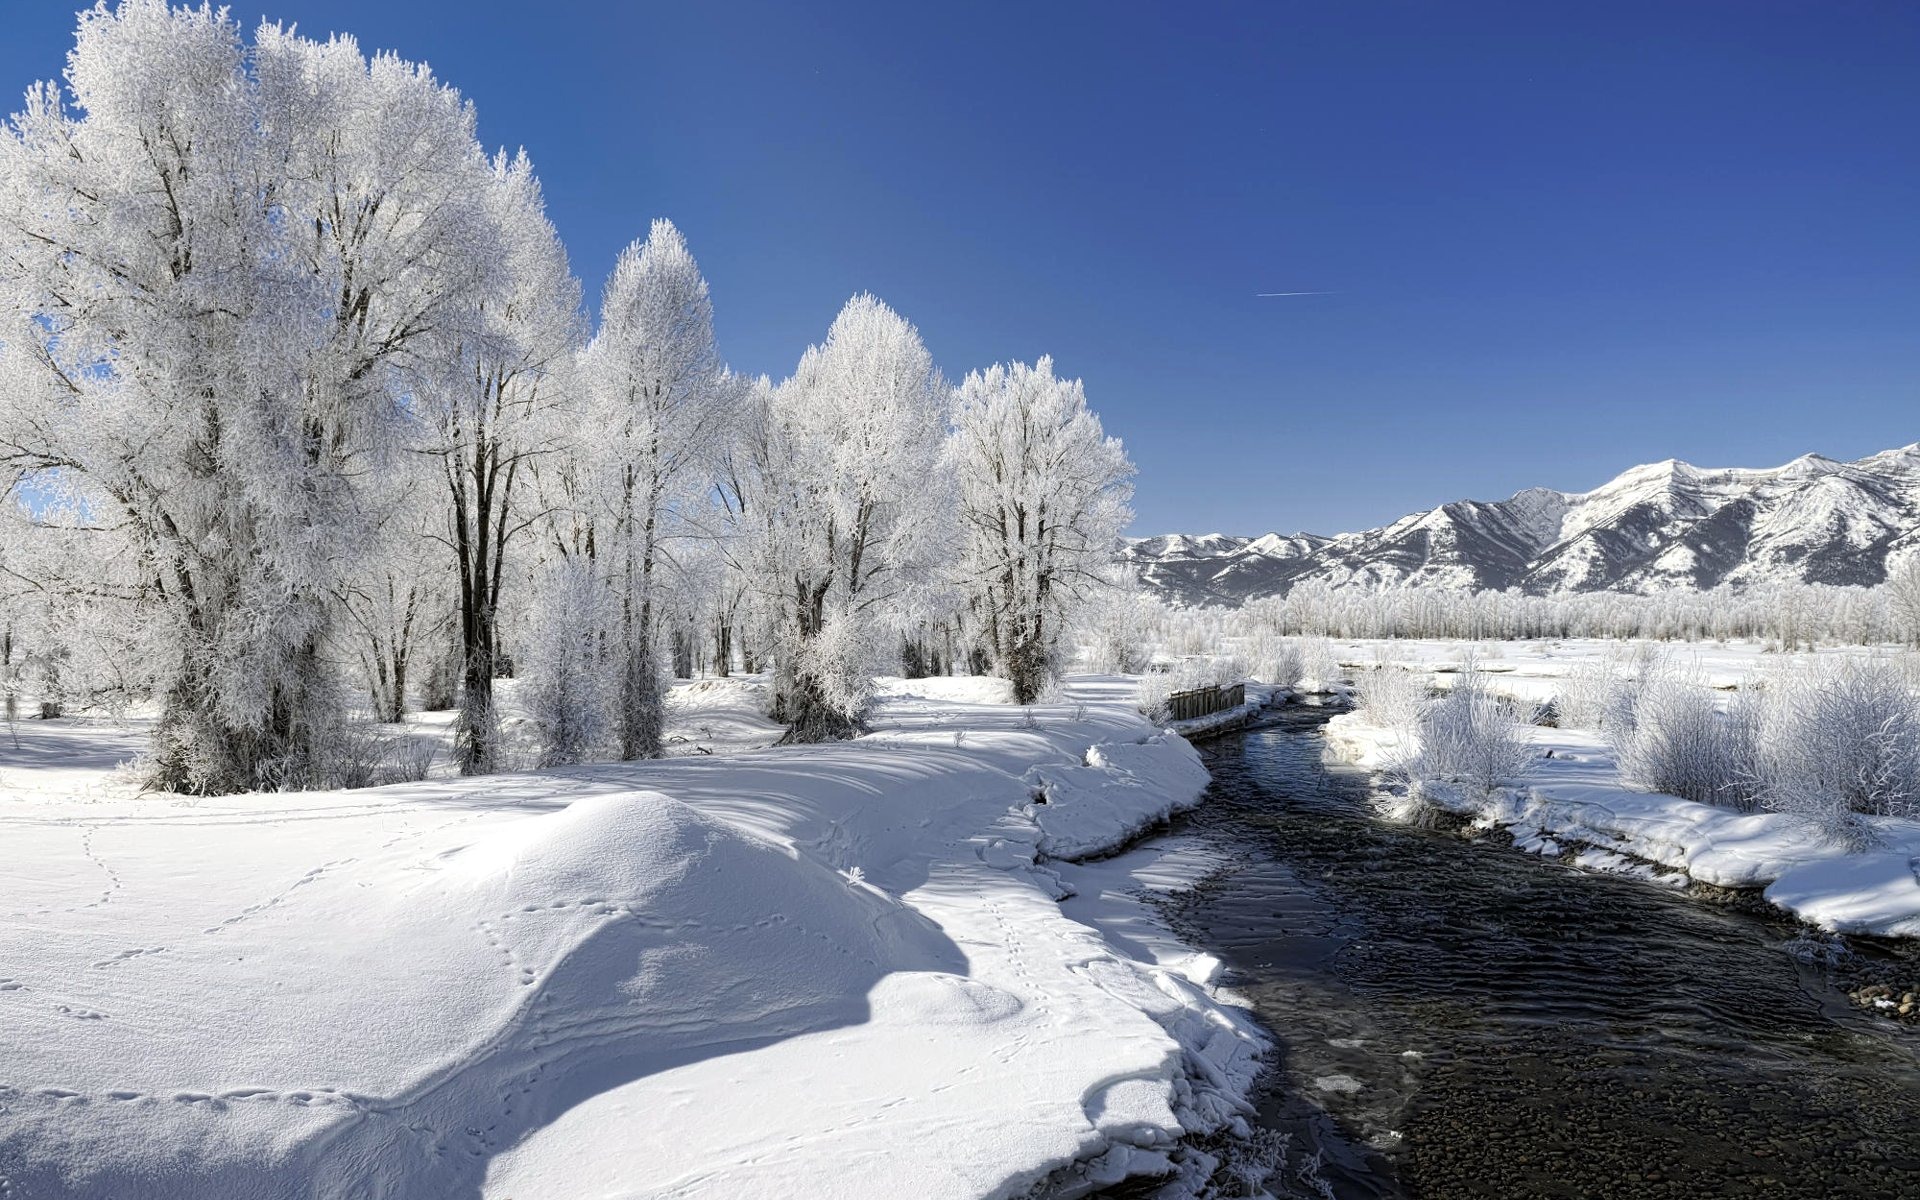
1264 295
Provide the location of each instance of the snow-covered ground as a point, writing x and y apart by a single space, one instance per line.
1536 670
838 969
1573 796
1533 669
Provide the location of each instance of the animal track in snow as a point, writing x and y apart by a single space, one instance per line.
80 1014
124 955
113 879
113 882
280 897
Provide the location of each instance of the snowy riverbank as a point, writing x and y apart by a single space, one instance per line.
1572 799
725 976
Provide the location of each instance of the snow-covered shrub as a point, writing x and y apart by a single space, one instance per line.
1272 659
1224 670
1151 696
1594 695
1838 740
569 688
1669 735
1319 670
832 679
1390 697
1117 629
410 762
356 758
1472 737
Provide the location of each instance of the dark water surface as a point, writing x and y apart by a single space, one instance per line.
1460 1019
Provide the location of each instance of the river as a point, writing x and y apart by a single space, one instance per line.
1457 1018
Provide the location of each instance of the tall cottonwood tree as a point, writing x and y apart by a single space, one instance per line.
219 264
1043 498
492 410
851 499
661 409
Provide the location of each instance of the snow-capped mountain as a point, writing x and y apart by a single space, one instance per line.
1653 528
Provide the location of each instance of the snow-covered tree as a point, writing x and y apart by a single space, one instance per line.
396 603
661 406
489 413
1043 498
566 686
1902 590
1117 628
742 604
219 264
849 509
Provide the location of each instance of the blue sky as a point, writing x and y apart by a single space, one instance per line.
1559 239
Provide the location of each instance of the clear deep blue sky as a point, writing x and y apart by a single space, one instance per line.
1561 238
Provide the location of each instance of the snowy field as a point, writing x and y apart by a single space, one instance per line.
837 969
1572 799
1536 670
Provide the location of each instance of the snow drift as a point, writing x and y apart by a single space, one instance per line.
702 976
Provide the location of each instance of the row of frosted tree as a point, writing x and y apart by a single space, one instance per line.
301 412
1126 625
1789 614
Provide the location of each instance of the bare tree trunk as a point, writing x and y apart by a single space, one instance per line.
682 654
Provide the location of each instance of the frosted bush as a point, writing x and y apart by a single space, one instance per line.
1274 660
1670 736
1151 696
836 673
1831 741
1841 740
410 761
1390 697
1224 670
1472 737
1319 670
358 758
569 690
1189 636
1594 695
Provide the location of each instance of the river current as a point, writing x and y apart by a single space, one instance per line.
1457 1018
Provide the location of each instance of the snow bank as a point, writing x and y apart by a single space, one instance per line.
836 968
1574 795
720 716
1121 786
961 689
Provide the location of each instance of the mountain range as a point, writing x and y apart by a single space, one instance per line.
1659 527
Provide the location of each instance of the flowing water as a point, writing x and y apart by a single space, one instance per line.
1457 1018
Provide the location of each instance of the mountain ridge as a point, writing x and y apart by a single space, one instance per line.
1655 527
